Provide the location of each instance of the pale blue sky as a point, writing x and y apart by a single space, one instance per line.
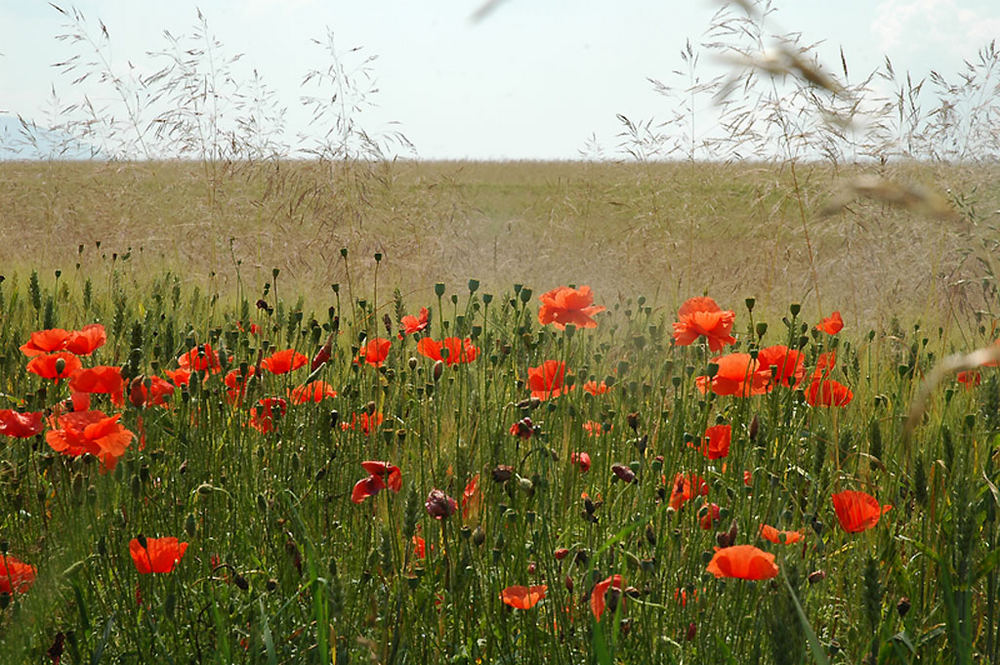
534 80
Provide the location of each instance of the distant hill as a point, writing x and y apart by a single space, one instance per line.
36 143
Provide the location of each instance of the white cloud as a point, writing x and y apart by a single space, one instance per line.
941 25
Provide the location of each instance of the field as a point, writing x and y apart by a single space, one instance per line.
235 358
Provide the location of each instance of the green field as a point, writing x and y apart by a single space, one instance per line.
288 561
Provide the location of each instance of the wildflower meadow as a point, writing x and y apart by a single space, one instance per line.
526 476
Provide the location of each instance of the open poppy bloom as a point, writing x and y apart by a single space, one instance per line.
857 511
716 443
316 391
581 460
179 377
45 341
368 422
54 366
381 475
90 432
152 390
593 428
523 597
390 473
283 362
451 350
86 341
20 425
523 428
685 488
546 380
969 378
200 359
472 498
236 383
374 352
414 324
744 562
100 379
828 393
832 324
598 597
702 317
780 366
262 415
737 374
156 555
564 305
595 388
768 532
712 515
15 576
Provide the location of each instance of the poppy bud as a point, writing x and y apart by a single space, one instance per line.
502 473
560 553
478 536
623 472
650 534
692 629
754 428
532 568
633 421
241 582
569 583
657 463
412 362
611 598
438 370
60 365
816 576
903 606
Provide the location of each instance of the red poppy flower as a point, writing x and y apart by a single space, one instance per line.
523 428
90 432
748 478
103 379
969 379
15 576
522 597
857 511
367 422
236 383
472 498
457 350
86 341
564 305
737 374
414 324
439 505
715 445
744 562
595 388
367 487
374 352
685 488
699 317
597 596
54 366
593 428
832 324
712 515
200 359
828 393
768 532
390 473
546 380
788 366
262 415
160 555
45 341
316 391
20 425
283 362
581 460
419 547
180 377
824 365
155 393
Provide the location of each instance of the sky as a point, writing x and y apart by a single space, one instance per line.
533 79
